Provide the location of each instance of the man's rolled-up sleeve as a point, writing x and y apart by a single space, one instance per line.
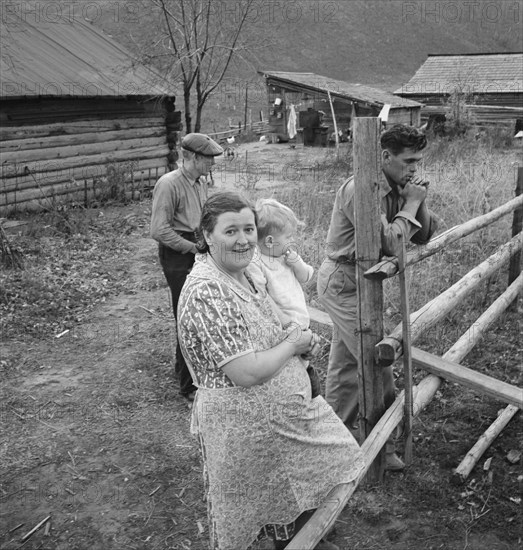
432 227
403 225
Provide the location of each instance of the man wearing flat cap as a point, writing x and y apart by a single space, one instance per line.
178 197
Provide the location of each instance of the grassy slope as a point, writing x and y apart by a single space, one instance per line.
375 42
383 43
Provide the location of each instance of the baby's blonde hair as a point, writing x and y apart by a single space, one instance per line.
273 216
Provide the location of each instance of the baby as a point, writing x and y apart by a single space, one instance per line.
279 269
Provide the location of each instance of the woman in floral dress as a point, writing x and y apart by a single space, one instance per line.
271 453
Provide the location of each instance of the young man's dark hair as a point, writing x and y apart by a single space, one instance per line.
400 137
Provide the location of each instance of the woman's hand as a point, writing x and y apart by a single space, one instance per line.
316 346
315 349
305 341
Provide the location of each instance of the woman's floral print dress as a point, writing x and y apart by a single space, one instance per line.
270 451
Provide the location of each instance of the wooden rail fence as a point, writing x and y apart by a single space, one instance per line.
379 424
260 127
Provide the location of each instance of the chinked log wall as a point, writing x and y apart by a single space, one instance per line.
59 160
486 108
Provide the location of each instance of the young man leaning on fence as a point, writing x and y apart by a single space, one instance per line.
178 198
404 215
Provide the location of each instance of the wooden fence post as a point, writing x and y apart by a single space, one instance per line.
407 358
517 225
367 220
15 201
246 104
337 138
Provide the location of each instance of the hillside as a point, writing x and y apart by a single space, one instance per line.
377 42
382 43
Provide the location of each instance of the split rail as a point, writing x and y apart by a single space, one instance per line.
377 351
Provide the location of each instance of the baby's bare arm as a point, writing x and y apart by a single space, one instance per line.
302 270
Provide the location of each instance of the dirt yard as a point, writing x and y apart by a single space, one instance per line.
96 436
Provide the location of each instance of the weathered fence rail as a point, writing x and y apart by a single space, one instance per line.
390 348
388 267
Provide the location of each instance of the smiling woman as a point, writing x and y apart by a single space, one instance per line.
271 453
232 239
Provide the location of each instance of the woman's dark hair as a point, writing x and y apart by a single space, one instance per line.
219 203
400 137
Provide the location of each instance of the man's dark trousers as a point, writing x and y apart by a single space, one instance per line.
176 266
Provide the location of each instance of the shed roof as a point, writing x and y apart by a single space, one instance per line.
472 73
339 88
69 58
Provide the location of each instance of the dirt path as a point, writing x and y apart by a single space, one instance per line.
97 436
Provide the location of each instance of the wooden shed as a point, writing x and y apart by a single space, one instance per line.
317 101
76 110
492 84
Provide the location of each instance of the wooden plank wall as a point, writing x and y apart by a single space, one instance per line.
487 108
53 159
409 116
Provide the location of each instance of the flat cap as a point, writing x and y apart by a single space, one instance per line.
201 144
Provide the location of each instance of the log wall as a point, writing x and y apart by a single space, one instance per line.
47 153
487 108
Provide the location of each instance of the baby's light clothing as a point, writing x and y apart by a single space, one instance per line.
278 278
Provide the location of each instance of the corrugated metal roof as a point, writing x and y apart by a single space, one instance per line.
69 58
474 73
339 88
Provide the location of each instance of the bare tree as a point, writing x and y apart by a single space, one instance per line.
201 39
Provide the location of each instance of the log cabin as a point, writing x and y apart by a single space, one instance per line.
321 103
491 85
75 111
